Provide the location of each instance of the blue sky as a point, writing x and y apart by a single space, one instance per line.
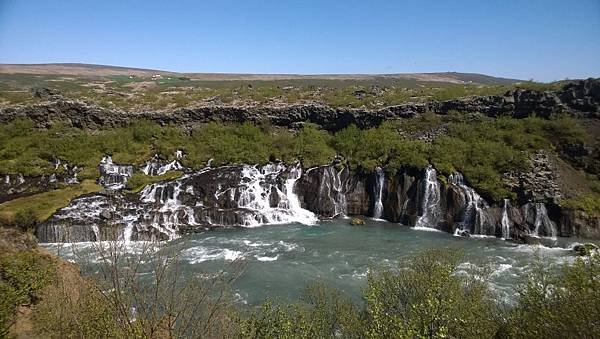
544 40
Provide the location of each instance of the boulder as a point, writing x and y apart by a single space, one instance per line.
357 221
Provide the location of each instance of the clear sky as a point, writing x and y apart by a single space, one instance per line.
544 40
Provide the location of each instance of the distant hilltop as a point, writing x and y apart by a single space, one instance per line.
76 69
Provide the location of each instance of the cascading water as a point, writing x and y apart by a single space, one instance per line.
112 175
542 222
154 167
430 201
166 196
256 190
332 183
378 208
505 222
474 218
293 203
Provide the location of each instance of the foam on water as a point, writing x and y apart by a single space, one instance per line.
200 254
282 259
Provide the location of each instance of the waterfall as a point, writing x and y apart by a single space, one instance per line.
96 231
112 175
333 184
542 221
166 195
430 200
505 220
378 208
474 219
154 167
256 190
293 203
128 230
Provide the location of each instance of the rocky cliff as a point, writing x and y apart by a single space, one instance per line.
579 98
251 196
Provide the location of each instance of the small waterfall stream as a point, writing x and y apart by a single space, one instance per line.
166 197
378 208
332 187
542 222
113 176
474 217
505 221
155 167
430 201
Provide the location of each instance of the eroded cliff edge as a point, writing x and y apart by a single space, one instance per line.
578 98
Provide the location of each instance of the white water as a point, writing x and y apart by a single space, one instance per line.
505 220
332 183
255 190
543 221
153 166
112 175
474 219
167 195
431 200
378 208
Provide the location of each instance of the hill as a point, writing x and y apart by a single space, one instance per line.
76 69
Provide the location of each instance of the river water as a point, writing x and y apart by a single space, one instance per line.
280 260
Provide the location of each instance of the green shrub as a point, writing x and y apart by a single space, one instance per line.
25 219
311 146
322 313
557 305
23 275
482 148
590 204
429 299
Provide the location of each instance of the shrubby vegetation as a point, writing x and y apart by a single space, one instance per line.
589 203
480 147
428 297
23 276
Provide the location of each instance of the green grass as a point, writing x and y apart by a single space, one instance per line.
139 180
118 91
43 205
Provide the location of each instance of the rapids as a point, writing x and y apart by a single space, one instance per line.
280 260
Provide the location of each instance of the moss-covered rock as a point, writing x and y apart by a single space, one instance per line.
357 221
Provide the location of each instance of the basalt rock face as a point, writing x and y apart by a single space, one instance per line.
539 183
250 196
13 186
579 224
579 98
226 196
